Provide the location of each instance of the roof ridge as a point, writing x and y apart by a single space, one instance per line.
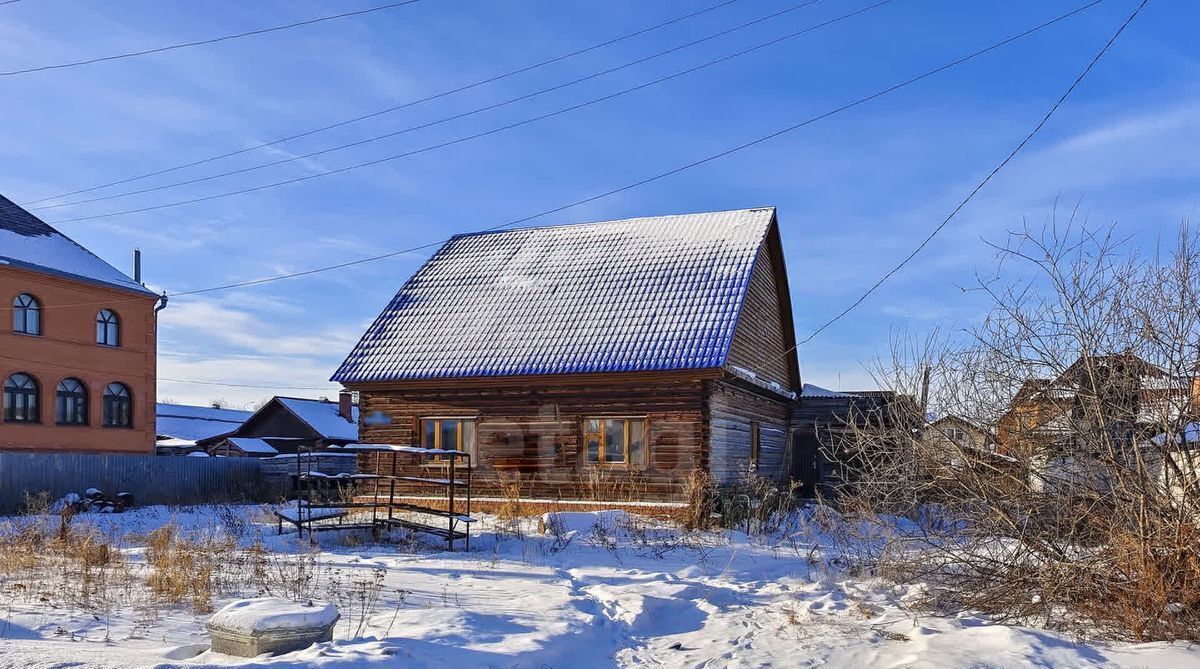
479 233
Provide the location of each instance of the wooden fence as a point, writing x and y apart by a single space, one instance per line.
150 479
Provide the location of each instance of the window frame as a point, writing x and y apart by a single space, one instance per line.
471 450
9 411
755 444
602 434
81 403
114 322
110 399
22 312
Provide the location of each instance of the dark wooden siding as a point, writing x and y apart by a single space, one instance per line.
531 429
764 335
733 409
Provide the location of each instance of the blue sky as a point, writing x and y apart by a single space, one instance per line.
855 192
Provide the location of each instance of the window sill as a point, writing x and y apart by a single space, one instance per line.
22 422
27 334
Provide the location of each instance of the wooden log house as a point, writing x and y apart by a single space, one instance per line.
600 361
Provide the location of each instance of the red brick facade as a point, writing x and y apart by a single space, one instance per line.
67 348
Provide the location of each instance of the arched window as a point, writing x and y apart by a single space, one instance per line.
27 315
71 403
118 406
21 399
108 328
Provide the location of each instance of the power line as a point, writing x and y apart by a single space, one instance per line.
668 173
381 112
656 177
245 385
486 133
281 386
1037 128
214 40
466 114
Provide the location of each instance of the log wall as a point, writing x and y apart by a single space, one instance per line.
529 432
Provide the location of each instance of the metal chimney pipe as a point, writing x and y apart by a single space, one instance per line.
137 265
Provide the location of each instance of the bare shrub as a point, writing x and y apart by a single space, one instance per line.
700 498
1079 509
188 568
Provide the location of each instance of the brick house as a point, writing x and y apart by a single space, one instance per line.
77 345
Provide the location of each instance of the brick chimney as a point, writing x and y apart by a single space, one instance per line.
346 404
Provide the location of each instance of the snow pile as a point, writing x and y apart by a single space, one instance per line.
264 614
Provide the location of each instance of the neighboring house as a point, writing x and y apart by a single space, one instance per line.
180 426
77 345
287 424
1176 458
608 360
950 439
1100 407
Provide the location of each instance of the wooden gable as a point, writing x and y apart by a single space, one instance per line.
764 339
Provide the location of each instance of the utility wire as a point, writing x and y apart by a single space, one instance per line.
381 112
245 385
467 138
208 383
1036 129
636 184
479 110
214 40
663 175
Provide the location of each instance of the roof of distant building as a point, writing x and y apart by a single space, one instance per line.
182 421
253 445
324 417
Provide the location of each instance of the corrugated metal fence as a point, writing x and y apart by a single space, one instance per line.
150 479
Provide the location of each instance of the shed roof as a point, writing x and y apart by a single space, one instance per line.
642 294
324 417
184 421
253 445
29 243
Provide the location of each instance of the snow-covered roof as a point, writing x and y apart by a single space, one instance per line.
640 294
182 421
809 390
175 443
252 445
1189 433
29 243
323 416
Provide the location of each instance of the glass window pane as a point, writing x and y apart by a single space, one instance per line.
591 425
593 448
614 440
449 435
429 432
637 442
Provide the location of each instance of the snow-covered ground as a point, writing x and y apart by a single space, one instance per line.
591 592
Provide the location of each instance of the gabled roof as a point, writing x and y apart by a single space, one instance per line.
323 417
29 243
183 421
642 294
